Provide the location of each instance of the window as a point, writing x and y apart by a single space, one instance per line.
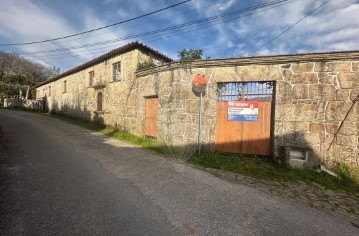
99 101
91 77
116 71
245 91
65 85
49 91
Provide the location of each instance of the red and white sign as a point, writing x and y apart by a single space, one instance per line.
243 111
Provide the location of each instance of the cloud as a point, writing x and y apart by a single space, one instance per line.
27 21
41 62
329 29
225 5
30 22
334 27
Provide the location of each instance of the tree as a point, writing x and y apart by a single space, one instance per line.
18 73
190 55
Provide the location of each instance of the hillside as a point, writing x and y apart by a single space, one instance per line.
18 75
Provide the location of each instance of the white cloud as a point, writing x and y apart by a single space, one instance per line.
333 27
41 62
330 28
30 22
226 5
24 20
123 13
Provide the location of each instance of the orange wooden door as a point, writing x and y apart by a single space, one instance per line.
151 117
247 137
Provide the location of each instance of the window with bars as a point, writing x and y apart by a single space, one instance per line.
91 78
116 71
244 91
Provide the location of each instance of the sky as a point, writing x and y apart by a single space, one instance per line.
221 28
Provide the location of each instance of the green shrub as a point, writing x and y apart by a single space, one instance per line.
148 64
348 174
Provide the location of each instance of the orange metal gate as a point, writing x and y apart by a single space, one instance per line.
151 117
246 137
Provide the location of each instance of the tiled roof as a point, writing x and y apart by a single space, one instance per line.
126 48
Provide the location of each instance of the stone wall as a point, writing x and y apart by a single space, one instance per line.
312 99
313 93
80 99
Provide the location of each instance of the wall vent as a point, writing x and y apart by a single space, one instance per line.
296 157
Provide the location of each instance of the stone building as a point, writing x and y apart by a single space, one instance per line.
300 100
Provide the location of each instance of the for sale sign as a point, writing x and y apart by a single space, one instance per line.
243 111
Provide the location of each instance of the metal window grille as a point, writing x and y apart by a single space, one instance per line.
244 91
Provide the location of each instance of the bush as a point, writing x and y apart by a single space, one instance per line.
146 64
189 55
347 174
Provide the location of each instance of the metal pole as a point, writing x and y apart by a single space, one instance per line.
336 133
200 126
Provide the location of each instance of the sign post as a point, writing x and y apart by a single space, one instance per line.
199 85
200 125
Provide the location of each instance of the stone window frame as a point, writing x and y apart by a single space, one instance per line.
116 71
91 78
65 86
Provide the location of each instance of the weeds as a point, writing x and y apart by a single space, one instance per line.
348 175
270 170
266 169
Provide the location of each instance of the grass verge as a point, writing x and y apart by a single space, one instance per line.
348 177
272 171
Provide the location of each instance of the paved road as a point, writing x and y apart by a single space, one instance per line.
60 179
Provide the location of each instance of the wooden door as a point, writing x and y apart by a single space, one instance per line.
99 101
247 137
151 117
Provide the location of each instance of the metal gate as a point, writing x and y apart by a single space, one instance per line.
151 117
244 117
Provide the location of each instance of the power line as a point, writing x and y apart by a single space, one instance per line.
142 23
162 36
100 28
166 29
290 27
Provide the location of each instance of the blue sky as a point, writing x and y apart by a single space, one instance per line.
334 27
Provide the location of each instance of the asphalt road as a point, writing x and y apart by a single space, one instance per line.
60 179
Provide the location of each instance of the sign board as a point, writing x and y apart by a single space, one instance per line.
243 111
199 83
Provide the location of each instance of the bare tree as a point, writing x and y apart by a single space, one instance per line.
16 72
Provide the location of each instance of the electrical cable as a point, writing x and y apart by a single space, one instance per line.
139 24
203 20
100 28
194 28
290 27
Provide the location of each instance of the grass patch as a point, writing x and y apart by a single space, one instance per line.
348 175
262 169
130 138
268 170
